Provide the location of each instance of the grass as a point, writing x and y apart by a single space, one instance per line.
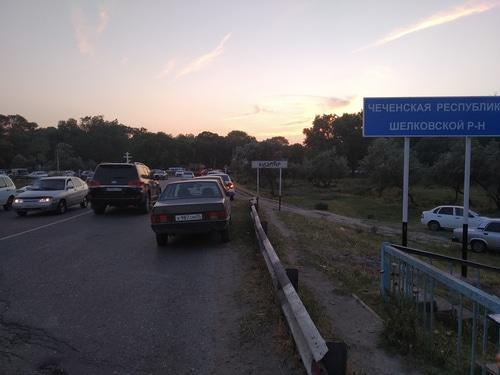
354 197
262 319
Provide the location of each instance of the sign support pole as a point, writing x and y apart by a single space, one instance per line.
258 187
279 196
465 227
406 181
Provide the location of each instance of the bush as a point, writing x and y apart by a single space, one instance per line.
321 206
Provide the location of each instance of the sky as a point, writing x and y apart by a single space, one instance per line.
262 66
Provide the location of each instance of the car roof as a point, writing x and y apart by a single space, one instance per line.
56 177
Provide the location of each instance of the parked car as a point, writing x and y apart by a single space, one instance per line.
84 175
194 206
187 175
19 172
122 185
219 179
229 191
159 174
485 237
52 194
448 217
69 173
227 180
214 171
178 173
7 192
38 174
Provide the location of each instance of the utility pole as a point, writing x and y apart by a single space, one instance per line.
127 157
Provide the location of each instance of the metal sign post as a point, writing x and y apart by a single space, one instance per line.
465 226
258 169
279 196
406 181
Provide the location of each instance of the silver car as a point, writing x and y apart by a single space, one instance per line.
485 237
52 194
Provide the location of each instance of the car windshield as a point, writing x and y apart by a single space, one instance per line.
225 177
52 184
194 190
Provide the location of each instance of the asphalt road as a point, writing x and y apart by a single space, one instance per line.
92 294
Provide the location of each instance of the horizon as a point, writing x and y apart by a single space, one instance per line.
265 69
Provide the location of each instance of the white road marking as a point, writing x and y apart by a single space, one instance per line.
44 226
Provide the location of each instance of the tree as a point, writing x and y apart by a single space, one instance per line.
486 167
326 167
345 133
384 165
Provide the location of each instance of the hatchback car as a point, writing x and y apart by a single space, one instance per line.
122 185
7 192
485 237
448 217
195 206
52 194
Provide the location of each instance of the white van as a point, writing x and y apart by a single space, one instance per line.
7 192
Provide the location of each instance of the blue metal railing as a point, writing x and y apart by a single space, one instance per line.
433 290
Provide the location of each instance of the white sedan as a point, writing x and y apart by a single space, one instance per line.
485 237
7 192
448 217
52 194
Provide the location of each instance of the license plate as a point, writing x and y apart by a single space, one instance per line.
188 217
113 189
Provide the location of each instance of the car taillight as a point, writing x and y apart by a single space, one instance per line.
160 218
216 215
230 185
93 183
135 183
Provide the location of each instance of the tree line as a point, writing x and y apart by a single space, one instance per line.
333 148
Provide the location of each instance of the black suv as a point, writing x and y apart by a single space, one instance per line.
121 185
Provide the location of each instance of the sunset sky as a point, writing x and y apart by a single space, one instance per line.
264 67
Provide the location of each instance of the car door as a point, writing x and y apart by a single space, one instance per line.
446 218
4 191
71 193
492 235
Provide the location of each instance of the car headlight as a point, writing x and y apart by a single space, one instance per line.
18 200
45 200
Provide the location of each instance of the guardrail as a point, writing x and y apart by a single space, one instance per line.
438 295
318 356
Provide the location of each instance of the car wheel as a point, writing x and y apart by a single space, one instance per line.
161 239
98 210
84 203
145 207
61 207
434 226
224 235
478 246
231 198
8 205
22 213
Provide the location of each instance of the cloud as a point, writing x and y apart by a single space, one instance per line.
87 35
440 18
257 109
167 69
328 101
202 61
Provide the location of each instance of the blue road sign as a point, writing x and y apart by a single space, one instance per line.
455 116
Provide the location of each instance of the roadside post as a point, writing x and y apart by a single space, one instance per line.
270 164
127 157
453 116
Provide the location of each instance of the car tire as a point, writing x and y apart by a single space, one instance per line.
478 246
161 239
22 213
61 207
225 236
145 207
98 210
8 205
84 203
434 225
231 198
